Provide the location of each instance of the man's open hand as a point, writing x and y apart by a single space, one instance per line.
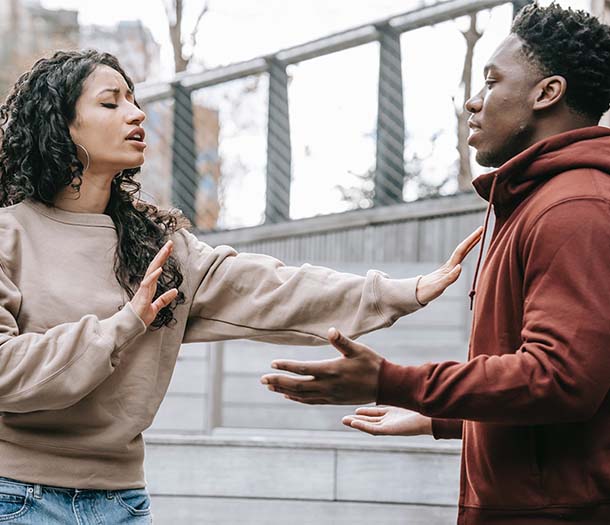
347 380
389 421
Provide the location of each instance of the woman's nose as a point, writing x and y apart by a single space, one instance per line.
136 116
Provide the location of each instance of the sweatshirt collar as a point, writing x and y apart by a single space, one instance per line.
70 217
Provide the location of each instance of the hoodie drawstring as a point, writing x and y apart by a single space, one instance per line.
473 290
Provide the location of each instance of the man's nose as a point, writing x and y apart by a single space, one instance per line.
474 103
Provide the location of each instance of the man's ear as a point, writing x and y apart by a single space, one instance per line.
550 91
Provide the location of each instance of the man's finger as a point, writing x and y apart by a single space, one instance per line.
296 384
464 248
300 390
344 344
363 426
371 411
369 419
305 368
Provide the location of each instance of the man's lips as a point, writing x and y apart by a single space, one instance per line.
475 129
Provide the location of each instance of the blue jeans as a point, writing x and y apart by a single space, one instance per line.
27 503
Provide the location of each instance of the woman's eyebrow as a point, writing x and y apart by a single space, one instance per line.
115 90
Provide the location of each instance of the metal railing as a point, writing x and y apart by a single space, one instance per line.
175 125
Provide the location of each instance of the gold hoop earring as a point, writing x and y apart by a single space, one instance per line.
86 155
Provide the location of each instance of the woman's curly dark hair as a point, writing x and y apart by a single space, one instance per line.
573 44
38 160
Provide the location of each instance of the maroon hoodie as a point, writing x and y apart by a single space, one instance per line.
533 395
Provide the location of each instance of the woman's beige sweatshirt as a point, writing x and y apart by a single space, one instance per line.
81 376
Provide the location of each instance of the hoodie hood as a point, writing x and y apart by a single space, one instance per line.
506 187
517 178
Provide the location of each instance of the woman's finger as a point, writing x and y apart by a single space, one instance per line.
464 248
161 257
165 299
150 278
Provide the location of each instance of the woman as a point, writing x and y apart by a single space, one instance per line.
99 289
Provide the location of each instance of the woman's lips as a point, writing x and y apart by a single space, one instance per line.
138 144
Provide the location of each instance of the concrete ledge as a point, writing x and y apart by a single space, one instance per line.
171 510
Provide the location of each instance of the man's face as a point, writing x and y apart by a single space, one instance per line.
502 121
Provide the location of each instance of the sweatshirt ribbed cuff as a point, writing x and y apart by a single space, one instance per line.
447 428
397 297
122 327
397 386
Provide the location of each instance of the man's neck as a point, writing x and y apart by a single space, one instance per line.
556 126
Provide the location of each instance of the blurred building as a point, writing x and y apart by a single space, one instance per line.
29 31
131 42
156 177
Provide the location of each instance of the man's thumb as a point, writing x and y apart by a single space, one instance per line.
344 344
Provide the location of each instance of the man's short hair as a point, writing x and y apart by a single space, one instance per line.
573 44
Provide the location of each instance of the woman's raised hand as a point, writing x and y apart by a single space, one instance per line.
142 301
432 285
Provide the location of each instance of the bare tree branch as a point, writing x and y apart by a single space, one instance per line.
193 40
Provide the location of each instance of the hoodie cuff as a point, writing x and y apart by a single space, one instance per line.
447 428
396 297
122 327
397 386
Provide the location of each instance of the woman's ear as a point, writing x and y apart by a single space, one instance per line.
550 91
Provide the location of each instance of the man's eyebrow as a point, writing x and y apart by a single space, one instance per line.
117 91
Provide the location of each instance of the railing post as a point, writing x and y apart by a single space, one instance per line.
215 379
279 155
185 178
390 170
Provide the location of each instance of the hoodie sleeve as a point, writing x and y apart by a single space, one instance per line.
56 369
253 296
561 372
447 428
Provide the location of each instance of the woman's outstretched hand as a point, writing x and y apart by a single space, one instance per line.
434 284
389 421
142 301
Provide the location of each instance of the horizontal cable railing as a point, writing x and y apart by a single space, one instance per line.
186 167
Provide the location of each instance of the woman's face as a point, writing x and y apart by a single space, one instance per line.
108 123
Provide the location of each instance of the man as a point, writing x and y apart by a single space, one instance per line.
532 403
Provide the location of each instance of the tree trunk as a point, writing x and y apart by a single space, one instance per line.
175 33
472 36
